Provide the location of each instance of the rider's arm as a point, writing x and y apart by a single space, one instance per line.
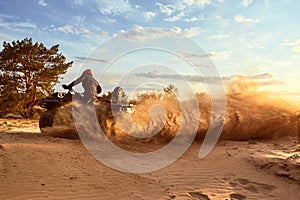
76 82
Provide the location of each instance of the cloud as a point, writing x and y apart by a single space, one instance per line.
139 33
8 16
194 19
82 31
107 20
261 76
242 19
25 24
247 3
220 54
218 36
254 44
77 3
191 32
175 18
198 2
17 26
166 9
292 43
72 30
115 7
296 49
182 17
263 79
66 29
81 58
180 77
295 44
42 3
194 56
149 14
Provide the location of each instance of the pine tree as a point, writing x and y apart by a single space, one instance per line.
27 72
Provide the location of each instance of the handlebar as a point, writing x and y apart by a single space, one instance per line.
66 87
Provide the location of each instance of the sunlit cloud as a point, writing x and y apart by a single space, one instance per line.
194 19
242 19
191 32
66 29
149 14
190 55
85 59
256 45
82 31
264 79
247 3
294 44
72 30
140 33
198 2
115 7
218 36
42 3
180 77
166 9
175 18
220 54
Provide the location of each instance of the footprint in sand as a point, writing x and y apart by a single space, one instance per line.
235 196
241 184
198 195
254 186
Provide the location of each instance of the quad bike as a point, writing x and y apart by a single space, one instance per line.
60 99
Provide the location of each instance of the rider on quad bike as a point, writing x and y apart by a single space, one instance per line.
90 85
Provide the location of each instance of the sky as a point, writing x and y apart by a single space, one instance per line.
257 39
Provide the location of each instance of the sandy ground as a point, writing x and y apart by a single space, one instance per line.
36 166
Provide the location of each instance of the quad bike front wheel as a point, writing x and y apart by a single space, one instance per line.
46 120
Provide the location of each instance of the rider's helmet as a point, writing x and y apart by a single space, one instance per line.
87 72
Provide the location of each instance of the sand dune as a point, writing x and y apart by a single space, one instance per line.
36 166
